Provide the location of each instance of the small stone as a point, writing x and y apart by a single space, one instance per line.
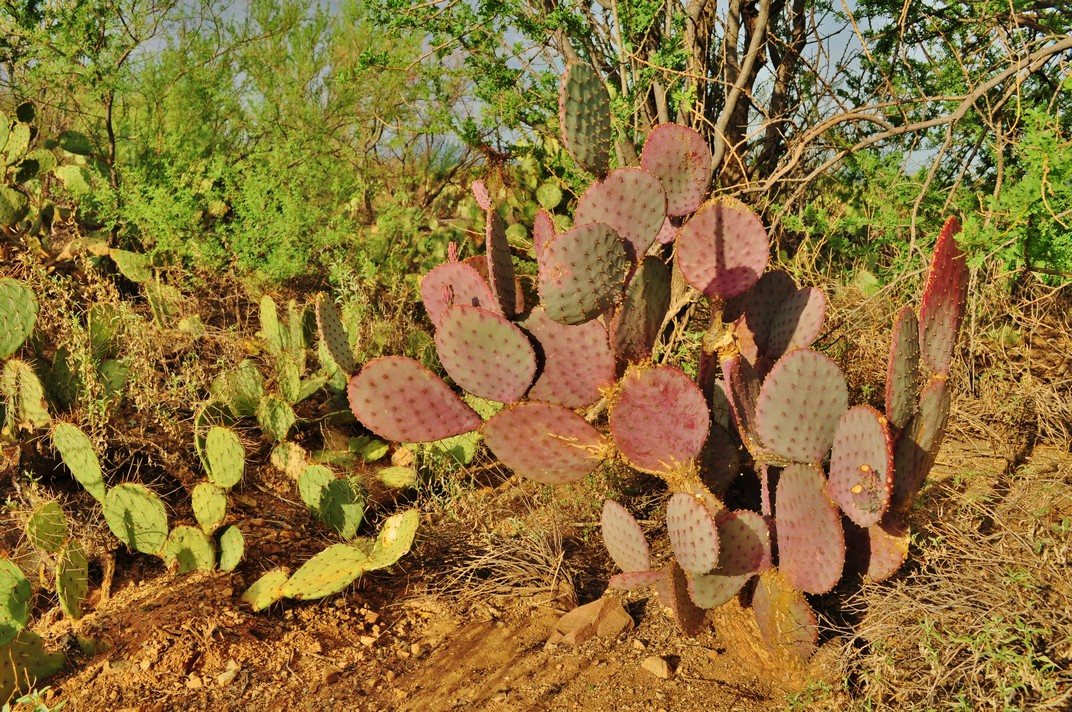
228 675
367 640
605 618
415 650
193 682
638 644
657 666
371 617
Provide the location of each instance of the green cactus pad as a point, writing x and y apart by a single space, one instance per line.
811 544
232 547
744 551
333 335
800 404
47 527
288 377
500 265
455 283
72 578
631 201
226 457
673 591
917 445
328 572
584 115
342 506
189 549
785 619
722 250
680 158
545 442
136 516
693 533
24 664
18 314
267 589
272 330
639 317
241 389
397 477
311 484
902 375
209 503
276 417
944 298
14 206
77 452
395 539
24 395
485 354
624 539
577 360
208 414
132 265
582 272
660 419
861 466
402 401
14 601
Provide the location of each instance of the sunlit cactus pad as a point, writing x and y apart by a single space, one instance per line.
455 283
624 539
577 360
631 201
693 533
485 354
723 250
942 308
545 442
680 158
18 314
136 516
811 545
861 466
581 273
584 114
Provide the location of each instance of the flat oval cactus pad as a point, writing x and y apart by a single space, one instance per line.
723 250
861 466
680 158
693 533
545 442
577 360
455 283
631 201
624 539
582 272
485 354
811 544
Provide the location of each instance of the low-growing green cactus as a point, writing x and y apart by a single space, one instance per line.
136 516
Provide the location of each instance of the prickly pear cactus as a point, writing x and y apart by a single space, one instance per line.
47 528
18 314
136 516
78 454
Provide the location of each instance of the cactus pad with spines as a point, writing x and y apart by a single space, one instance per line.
543 231
136 516
209 503
24 395
878 551
680 158
797 322
226 457
693 533
800 404
545 442
944 297
18 314
276 417
624 539
917 445
744 551
861 466
500 265
455 283
241 389
47 527
333 334
811 544
584 115
394 540
485 354
72 578
232 547
577 360
723 250
267 590
742 388
902 374
328 572
673 591
785 619
631 201
311 484
15 596
638 318
342 506
77 452
401 400
660 419
189 549
582 272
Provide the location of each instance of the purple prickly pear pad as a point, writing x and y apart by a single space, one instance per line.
500 265
455 283
744 551
878 551
485 354
693 533
722 250
584 115
902 375
545 442
636 322
680 158
944 297
917 444
811 544
582 272
624 539
631 201
861 466
577 360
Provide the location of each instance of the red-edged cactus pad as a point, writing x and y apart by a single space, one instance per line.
693 533
577 360
667 233
500 265
545 442
799 405
480 264
878 551
624 539
582 272
660 420
722 250
720 462
942 308
543 229
455 283
797 323
480 192
902 375
631 201
784 617
673 591
759 306
635 579
485 354
742 388
584 115
811 544
861 466
917 445
680 158
636 322
744 551
401 400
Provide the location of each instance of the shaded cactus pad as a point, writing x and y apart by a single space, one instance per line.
136 516
811 545
18 314
577 360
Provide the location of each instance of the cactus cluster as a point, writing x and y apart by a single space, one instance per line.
834 483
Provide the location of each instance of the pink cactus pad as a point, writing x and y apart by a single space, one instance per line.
861 465
485 354
811 545
455 283
680 158
722 250
545 442
631 201
577 360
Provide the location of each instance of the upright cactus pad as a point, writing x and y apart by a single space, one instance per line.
136 516
631 201
333 334
902 375
722 250
917 445
742 388
693 533
624 539
811 544
481 195
480 264
797 322
455 283
500 265
680 158
861 466
401 400
241 389
582 272
25 396
637 320
77 452
232 546
328 572
72 578
584 115
660 419
276 417
47 528
785 619
744 551
18 314
673 591
226 457
545 442
800 404
209 503
543 231
577 360
485 354
878 551
15 596
944 297
189 549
